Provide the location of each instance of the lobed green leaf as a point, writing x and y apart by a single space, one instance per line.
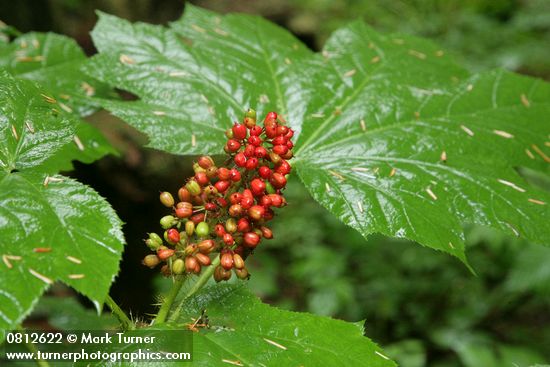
392 136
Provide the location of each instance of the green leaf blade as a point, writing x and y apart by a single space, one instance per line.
52 228
187 96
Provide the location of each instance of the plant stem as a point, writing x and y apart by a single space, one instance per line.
169 300
203 279
126 323
32 348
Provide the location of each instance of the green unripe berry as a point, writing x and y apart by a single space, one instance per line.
231 225
168 221
197 168
229 133
152 244
178 266
193 187
155 238
202 229
189 228
250 113
167 199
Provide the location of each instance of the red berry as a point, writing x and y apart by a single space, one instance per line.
222 186
239 131
228 239
289 134
210 206
278 180
260 152
202 178
165 253
266 232
173 235
265 172
233 145
203 259
219 230
247 202
243 225
184 209
235 198
240 160
251 239
255 140
224 174
290 144
247 192
235 175
282 130
205 161
276 200
249 150
184 195
255 130
257 187
252 163
280 149
265 201
279 140
226 260
206 246
271 131
283 168
221 202
197 218
271 116
256 212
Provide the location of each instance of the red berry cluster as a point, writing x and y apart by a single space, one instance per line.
223 211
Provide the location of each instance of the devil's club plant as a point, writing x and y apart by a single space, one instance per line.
390 135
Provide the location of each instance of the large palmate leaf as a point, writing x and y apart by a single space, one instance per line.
51 227
206 70
246 332
392 136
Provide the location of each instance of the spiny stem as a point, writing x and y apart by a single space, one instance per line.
203 279
169 300
126 323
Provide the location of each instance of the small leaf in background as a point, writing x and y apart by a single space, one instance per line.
393 136
65 313
54 61
51 227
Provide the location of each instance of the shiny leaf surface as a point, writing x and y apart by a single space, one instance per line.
256 334
392 136
51 227
195 79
